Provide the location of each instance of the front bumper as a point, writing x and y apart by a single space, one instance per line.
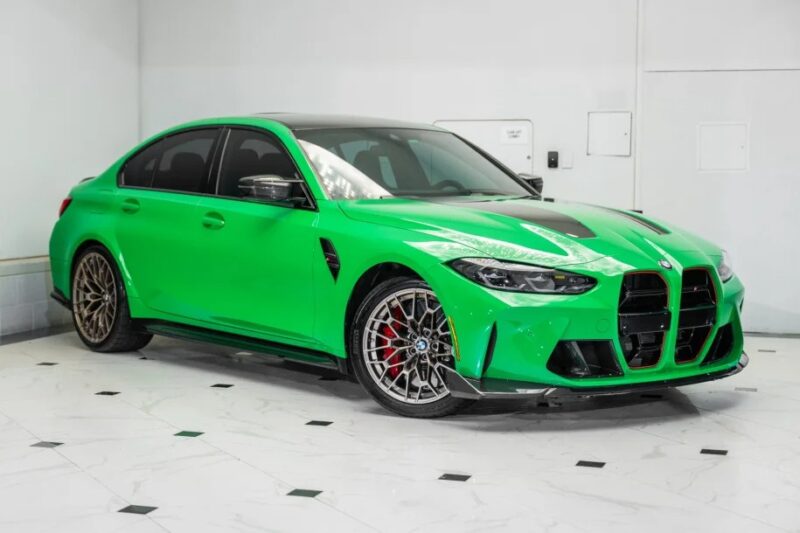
474 389
505 340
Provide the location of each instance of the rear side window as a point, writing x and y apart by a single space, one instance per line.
179 162
250 153
183 164
139 168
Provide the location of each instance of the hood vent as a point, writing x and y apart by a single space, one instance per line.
527 211
634 217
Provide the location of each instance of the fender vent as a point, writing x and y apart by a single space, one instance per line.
331 257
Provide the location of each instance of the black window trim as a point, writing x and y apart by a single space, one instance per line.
217 152
214 181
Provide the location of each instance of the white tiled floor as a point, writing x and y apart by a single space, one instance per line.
377 471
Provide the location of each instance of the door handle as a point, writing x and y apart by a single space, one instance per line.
213 220
130 205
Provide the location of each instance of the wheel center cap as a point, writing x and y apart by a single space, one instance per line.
421 345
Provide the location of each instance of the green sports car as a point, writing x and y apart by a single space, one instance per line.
398 253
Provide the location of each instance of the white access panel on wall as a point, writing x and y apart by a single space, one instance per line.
609 133
510 141
722 146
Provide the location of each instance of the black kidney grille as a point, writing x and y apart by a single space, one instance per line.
643 318
697 315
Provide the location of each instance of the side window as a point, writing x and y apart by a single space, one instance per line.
138 170
250 153
183 161
178 162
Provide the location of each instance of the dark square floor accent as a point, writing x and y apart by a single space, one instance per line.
222 385
652 396
46 364
454 477
767 351
319 423
188 433
306 493
46 444
137 509
328 378
710 451
591 464
746 389
106 393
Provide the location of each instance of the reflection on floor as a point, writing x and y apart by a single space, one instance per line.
190 437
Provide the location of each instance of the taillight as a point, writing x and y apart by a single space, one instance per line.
64 205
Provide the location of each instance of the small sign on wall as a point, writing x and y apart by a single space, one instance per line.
509 140
722 146
514 135
609 133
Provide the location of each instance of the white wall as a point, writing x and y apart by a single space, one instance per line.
721 34
69 106
72 78
723 61
550 62
673 62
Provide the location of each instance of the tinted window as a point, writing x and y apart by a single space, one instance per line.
138 171
250 153
184 160
381 162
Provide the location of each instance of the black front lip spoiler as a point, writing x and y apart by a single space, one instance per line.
473 389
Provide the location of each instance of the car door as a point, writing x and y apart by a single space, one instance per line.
257 256
157 223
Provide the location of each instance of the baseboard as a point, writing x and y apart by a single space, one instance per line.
25 303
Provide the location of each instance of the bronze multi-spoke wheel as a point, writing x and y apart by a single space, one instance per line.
94 297
399 348
99 305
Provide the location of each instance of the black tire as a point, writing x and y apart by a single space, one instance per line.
123 334
444 406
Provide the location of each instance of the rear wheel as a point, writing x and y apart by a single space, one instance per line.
400 342
100 305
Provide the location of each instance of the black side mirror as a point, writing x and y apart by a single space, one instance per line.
534 182
269 187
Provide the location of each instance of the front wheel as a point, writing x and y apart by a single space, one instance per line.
399 344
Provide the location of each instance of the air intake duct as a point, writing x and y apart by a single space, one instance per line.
584 359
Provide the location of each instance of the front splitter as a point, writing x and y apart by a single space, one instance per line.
475 389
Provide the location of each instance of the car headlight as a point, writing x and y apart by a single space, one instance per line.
519 277
725 267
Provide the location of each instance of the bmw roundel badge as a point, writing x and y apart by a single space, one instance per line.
666 265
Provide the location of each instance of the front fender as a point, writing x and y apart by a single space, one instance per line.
361 246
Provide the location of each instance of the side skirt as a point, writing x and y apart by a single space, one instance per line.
284 351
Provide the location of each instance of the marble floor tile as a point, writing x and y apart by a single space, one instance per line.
500 466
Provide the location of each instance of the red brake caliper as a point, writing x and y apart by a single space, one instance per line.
390 355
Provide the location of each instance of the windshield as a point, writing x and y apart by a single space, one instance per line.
386 162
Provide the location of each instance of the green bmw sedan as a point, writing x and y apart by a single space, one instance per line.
398 253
